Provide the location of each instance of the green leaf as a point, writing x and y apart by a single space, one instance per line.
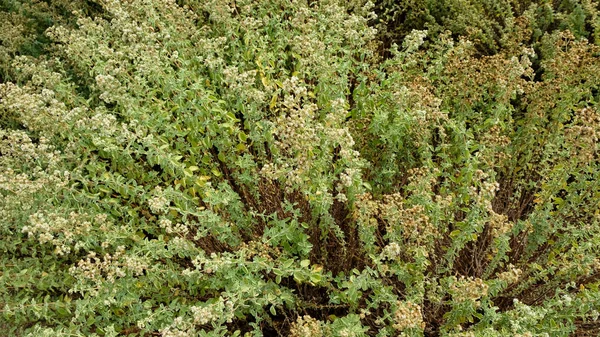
315 278
455 233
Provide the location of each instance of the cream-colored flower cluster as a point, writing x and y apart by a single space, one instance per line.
422 179
21 184
318 42
12 32
302 134
38 111
41 160
242 84
306 326
524 315
414 40
259 249
213 263
171 228
408 315
485 193
94 268
106 268
584 134
179 328
65 233
497 143
110 87
221 310
391 251
413 223
512 275
499 224
366 209
495 137
203 315
468 289
158 203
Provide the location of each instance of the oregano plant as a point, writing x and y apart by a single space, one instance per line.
290 168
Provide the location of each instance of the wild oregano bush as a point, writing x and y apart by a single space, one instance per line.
207 168
24 24
485 22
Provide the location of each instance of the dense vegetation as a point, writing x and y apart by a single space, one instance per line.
299 168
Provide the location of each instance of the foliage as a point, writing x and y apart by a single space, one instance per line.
486 22
216 168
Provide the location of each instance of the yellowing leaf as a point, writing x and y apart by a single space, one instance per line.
454 233
201 180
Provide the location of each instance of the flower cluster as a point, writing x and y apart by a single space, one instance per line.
106 268
259 249
510 276
468 289
499 224
204 314
243 83
408 315
414 40
110 87
65 233
38 111
158 203
168 226
412 223
485 192
301 135
255 153
306 326
391 251
584 134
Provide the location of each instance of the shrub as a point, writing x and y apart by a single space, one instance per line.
215 168
487 23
